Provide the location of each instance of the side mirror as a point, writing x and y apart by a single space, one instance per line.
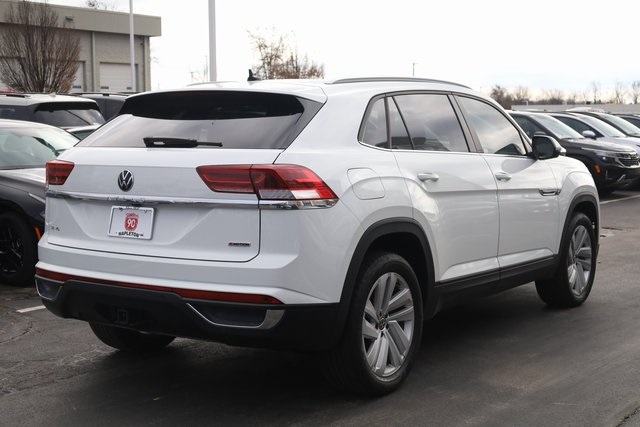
589 134
545 147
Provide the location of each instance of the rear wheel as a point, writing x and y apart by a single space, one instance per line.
18 250
129 340
383 330
572 282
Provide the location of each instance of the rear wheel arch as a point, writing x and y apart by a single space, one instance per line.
402 236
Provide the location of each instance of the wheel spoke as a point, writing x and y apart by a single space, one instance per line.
396 355
579 236
400 341
383 356
584 254
580 280
369 330
403 315
373 353
379 290
370 311
384 287
400 299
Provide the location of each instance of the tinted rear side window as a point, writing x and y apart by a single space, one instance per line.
228 119
432 122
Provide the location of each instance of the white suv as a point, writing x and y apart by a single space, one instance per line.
328 216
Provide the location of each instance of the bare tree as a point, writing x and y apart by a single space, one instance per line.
37 55
635 91
501 96
576 97
279 60
521 95
619 93
554 96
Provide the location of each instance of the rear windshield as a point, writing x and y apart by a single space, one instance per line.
62 114
208 119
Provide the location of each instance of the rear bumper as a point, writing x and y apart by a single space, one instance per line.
282 326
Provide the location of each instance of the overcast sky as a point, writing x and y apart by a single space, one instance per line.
546 44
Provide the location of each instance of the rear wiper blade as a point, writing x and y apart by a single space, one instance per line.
161 141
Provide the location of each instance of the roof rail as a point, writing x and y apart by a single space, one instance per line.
394 79
16 95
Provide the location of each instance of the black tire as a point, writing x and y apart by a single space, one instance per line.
348 367
18 250
129 340
571 284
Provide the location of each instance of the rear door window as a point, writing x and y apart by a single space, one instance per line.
432 122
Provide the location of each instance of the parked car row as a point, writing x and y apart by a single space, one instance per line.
333 217
608 145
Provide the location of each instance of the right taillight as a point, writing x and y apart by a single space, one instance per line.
268 182
58 171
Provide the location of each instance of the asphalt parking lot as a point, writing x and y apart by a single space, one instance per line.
506 360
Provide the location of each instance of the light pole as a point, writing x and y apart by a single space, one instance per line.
213 71
132 48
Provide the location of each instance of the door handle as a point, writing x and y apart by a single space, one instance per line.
433 177
503 176
549 191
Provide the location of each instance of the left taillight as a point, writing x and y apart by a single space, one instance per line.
58 171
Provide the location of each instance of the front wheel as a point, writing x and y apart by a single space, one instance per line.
383 329
571 284
129 340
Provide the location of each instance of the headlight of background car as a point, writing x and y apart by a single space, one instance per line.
605 156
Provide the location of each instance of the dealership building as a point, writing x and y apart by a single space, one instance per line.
105 50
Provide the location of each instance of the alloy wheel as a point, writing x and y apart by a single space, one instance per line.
579 260
388 324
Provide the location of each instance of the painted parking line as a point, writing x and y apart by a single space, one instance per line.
620 200
27 310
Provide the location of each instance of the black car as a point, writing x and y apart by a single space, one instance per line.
634 119
617 122
612 165
593 128
25 147
57 110
110 103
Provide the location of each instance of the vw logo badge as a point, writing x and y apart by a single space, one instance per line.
125 180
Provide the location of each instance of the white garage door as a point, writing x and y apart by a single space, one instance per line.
115 77
78 81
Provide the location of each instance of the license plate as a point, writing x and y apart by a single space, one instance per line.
131 222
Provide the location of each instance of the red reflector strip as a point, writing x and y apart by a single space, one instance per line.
185 293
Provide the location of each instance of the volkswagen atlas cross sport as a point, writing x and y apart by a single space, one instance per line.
310 215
